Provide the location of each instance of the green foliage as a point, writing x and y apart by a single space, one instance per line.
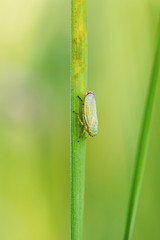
35 125
142 146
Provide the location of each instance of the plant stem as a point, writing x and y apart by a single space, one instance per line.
79 67
142 145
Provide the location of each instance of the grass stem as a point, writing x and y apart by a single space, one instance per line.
142 145
79 67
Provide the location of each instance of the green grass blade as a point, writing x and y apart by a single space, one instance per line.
79 67
142 145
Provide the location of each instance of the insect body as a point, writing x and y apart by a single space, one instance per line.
89 114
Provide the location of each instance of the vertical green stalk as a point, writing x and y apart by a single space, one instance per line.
79 66
142 146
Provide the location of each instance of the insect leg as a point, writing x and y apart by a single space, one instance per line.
84 130
78 117
80 99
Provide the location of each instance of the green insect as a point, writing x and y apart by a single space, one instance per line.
89 114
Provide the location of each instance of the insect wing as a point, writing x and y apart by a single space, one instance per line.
90 112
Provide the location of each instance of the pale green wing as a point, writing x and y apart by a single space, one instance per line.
90 114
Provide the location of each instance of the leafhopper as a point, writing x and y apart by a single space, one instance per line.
89 115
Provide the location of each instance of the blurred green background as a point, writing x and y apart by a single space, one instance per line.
34 119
